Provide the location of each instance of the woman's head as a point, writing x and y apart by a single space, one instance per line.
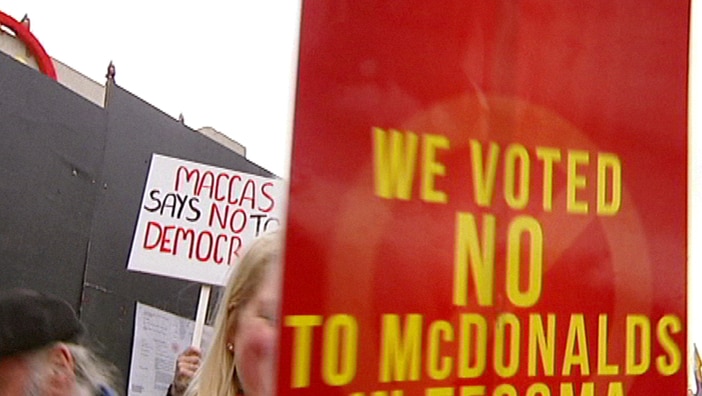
241 356
253 334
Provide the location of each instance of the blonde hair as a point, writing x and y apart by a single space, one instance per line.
217 374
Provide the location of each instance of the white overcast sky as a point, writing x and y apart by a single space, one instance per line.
224 64
231 65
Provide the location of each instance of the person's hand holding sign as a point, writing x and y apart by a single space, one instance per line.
186 365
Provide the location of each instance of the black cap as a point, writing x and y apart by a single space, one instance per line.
30 320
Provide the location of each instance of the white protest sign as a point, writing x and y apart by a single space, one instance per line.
159 337
195 220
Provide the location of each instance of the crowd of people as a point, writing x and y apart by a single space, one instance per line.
44 349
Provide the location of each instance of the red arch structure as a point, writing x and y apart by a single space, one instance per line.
46 65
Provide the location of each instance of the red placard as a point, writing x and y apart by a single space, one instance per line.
488 198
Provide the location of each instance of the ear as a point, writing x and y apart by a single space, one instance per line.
229 341
61 377
61 358
231 331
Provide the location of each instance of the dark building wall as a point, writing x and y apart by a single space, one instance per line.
71 179
51 150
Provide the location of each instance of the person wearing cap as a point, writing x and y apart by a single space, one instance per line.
42 350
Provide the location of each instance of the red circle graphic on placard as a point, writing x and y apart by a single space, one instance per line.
503 119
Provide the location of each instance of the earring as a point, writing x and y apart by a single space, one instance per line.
230 347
